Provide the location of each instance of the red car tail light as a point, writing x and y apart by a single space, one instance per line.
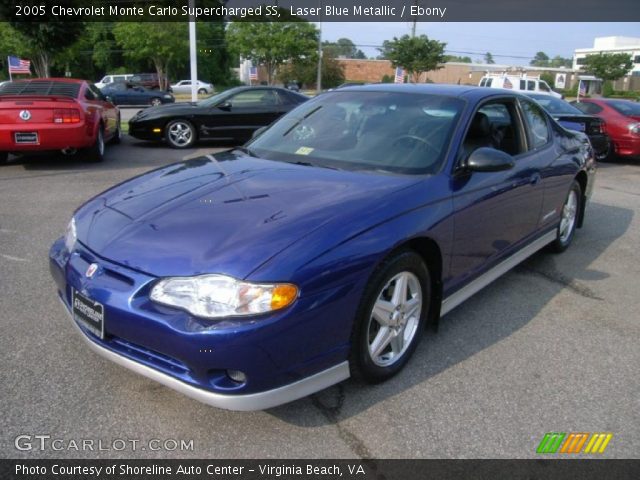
66 115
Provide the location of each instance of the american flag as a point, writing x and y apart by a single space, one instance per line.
253 73
17 65
507 83
582 88
399 75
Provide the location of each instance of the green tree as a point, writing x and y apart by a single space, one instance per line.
558 61
41 42
343 47
415 54
488 58
608 66
271 44
157 43
305 71
540 60
454 58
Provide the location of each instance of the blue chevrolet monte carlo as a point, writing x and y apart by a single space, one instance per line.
323 247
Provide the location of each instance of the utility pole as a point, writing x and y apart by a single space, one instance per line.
319 74
193 54
413 23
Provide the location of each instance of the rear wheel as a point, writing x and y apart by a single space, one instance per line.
606 155
391 317
569 219
117 137
180 134
95 153
202 91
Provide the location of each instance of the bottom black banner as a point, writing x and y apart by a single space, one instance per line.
318 469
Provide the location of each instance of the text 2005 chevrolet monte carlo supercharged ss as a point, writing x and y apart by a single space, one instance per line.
320 249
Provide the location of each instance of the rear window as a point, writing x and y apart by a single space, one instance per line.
41 87
626 107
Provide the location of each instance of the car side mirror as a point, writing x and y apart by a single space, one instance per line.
487 159
226 106
258 132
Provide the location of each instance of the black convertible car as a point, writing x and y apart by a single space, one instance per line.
231 115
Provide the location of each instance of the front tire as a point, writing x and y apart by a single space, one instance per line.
180 134
4 157
569 219
155 101
202 91
391 317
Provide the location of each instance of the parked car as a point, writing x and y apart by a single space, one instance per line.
232 115
570 117
623 122
146 80
121 93
521 83
323 247
294 86
64 114
184 86
109 79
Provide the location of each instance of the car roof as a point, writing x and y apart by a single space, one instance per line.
51 79
469 92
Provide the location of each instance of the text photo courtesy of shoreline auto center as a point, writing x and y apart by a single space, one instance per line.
319 239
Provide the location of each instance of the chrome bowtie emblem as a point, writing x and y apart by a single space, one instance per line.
25 115
91 271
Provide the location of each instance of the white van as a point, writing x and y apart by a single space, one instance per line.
518 82
107 79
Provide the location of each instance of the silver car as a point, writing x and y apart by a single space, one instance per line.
184 86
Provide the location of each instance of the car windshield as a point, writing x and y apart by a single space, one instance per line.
365 130
626 107
215 99
555 105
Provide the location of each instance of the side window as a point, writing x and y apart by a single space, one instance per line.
537 121
489 82
89 95
254 98
523 85
544 87
531 85
483 82
106 80
494 125
96 92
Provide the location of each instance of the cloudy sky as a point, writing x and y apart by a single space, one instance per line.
510 43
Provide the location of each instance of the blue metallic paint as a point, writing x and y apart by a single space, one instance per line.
321 229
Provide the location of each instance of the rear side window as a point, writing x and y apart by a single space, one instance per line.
537 121
531 85
544 87
586 107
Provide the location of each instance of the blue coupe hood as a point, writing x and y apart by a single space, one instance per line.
225 214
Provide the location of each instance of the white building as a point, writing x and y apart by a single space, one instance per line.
630 45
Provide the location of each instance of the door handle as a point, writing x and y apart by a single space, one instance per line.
535 179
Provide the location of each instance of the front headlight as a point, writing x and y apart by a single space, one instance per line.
215 296
70 236
168 96
634 128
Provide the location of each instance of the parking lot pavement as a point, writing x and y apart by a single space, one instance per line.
551 346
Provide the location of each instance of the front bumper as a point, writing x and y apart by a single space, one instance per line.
284 356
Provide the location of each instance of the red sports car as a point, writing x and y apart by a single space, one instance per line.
622 119
56 114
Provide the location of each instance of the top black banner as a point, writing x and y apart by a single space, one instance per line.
322 10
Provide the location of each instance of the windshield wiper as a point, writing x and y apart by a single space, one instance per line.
246 150
309 164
